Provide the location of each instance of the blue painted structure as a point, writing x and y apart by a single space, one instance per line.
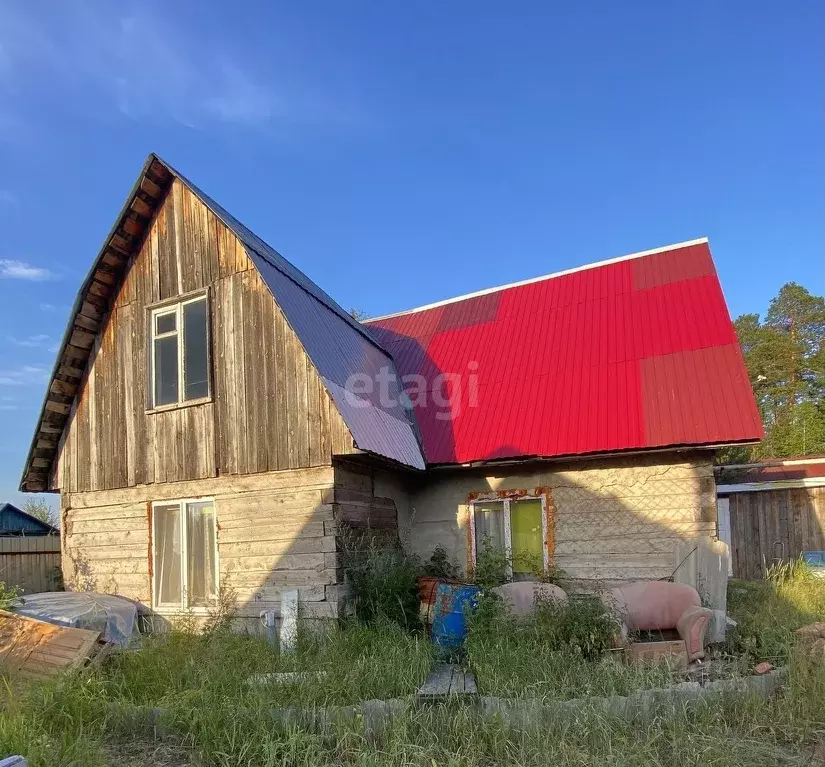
16 522
449 618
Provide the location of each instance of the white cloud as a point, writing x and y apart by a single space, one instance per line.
11 269
23 375
47 307
136 60
30 341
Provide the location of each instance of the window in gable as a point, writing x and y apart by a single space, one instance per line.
184 554
516 526
179 353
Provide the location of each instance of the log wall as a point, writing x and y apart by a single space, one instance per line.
275 532
615 518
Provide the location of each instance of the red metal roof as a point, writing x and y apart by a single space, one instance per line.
635 353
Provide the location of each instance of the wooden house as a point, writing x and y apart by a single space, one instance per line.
215 419
17 523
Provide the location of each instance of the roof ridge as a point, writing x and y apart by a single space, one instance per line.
528 281
233 223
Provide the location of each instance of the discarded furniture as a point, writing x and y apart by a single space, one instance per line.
704 563
114 617
522 597
659 606
673 653
29 647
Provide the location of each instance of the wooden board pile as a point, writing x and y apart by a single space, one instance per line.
33 648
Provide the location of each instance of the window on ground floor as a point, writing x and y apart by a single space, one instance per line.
184 554
515 526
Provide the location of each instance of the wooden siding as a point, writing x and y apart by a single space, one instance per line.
32 563
774 525
362 518
270 410
275 532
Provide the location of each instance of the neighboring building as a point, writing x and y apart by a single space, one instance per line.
771 512
16 522
215 418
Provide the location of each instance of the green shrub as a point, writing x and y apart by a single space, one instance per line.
439 564
8 595
581 627
491 565
382 583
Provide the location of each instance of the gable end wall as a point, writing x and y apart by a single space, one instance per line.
270 410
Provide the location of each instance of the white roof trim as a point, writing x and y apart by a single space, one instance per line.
595 265
777 484
778 462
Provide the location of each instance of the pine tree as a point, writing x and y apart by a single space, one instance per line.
785 355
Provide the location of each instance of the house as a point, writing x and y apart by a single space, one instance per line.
16 522
29 552
215 419
772 511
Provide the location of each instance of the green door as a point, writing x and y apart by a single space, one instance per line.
525 536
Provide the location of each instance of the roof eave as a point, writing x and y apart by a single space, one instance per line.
152 182
568 457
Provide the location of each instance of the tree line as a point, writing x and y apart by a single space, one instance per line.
785 356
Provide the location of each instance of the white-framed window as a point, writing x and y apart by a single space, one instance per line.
184 554
179 352
515 525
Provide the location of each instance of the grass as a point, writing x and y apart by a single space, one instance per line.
64 724
557 654
186 670
215 718
768 612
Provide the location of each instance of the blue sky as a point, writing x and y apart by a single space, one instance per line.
403 153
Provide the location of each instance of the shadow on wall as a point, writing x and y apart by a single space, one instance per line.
614 519
611 519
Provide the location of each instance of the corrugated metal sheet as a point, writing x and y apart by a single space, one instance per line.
634 354
771 471
342 350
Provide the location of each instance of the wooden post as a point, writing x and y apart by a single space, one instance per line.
289 621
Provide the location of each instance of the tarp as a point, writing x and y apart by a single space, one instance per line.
114 617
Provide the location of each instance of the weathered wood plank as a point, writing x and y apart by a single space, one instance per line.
241 436
281 405
437 684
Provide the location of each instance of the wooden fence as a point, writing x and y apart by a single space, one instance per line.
32 563
769 526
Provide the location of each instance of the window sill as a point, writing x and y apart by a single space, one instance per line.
179 405
176 611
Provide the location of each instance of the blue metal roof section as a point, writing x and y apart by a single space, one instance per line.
339 347
14 521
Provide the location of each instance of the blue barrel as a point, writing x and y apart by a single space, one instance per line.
449 624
